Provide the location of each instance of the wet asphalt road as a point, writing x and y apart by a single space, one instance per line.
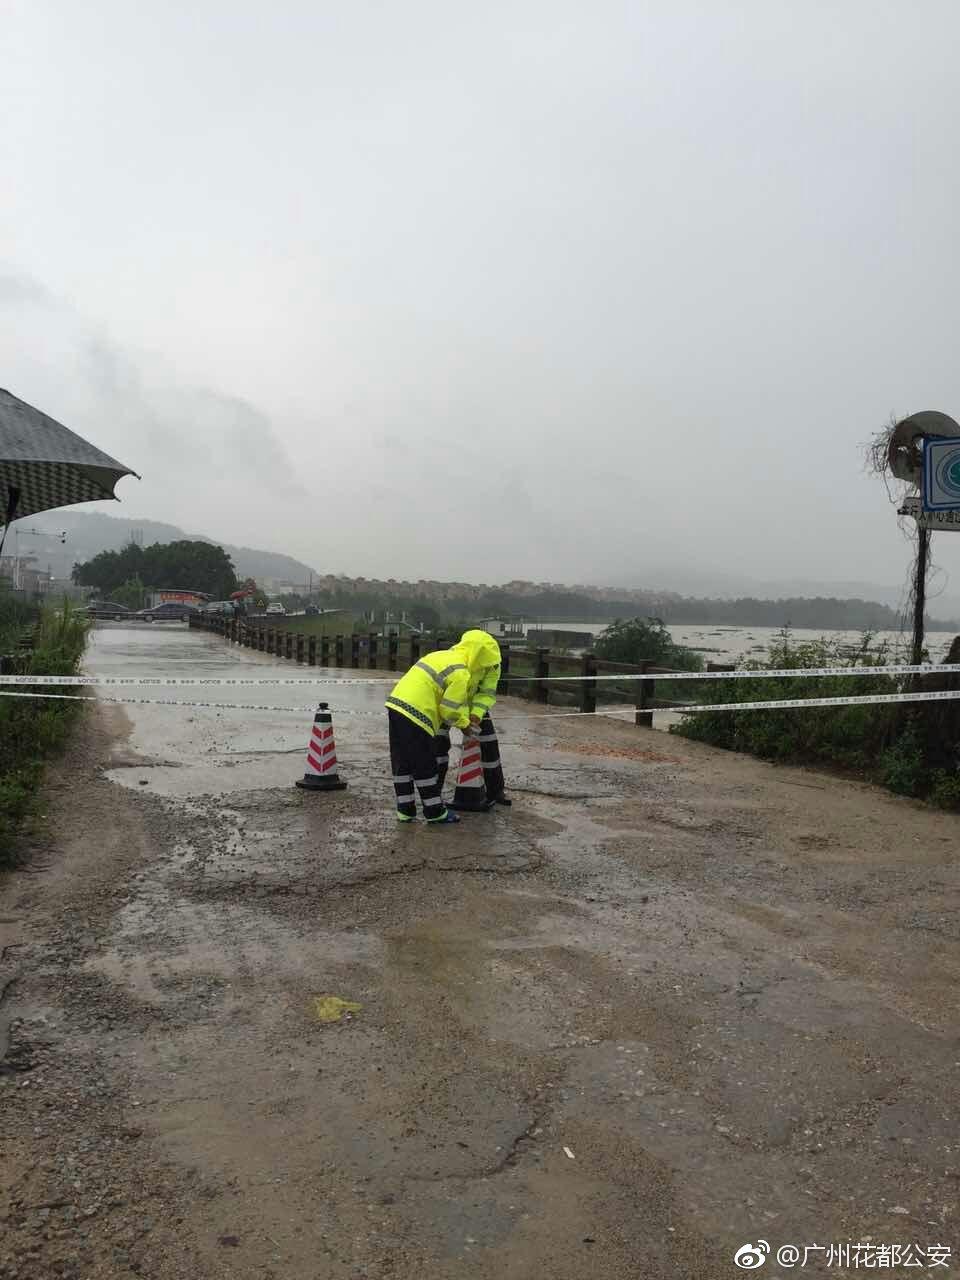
194 750
672 1002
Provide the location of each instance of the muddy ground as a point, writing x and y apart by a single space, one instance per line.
671 1002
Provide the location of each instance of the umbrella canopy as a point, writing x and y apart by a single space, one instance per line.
44 465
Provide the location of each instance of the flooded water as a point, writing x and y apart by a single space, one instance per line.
724 644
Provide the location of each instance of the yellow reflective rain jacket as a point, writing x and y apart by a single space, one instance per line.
483 682
444 687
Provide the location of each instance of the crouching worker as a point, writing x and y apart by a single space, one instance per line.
434 695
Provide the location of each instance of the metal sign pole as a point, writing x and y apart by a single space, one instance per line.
920 591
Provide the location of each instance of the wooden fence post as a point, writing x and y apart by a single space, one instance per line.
324 650
338 651
372 651
393 652
644 716
354 651
415 643
312 651
300 644
288 644
503 684
542 668
588 687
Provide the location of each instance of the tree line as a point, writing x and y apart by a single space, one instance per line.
828 613
818 613
184 565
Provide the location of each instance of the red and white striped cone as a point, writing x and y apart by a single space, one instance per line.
321 769
471 793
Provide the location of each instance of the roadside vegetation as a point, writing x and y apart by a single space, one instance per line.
912 749
31 731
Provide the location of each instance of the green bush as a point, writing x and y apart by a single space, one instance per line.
851 736
902 747
945 789
33 730
645 640
902 767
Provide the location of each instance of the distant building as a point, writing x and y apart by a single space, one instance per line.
559 638
22 574
503 629
178 595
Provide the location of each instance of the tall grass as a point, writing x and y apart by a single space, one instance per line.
15 615
32 731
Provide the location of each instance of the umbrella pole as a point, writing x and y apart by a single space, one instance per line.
13 500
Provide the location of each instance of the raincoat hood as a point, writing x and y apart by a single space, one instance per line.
480 651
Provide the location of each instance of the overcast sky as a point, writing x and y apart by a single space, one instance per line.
529 289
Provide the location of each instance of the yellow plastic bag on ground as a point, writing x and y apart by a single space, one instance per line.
332 1008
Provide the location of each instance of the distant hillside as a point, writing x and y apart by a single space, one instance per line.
90 532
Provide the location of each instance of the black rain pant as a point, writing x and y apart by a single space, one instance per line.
413 762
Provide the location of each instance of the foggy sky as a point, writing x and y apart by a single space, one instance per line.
533 289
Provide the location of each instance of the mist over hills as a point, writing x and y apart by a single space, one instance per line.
90 532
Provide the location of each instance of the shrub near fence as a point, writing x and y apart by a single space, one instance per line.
32 731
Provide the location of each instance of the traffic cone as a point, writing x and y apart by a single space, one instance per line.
321 770
470 794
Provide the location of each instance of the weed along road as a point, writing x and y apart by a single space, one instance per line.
672 1003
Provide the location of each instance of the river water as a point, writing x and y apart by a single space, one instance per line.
725 644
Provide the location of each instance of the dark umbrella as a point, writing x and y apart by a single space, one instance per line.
44 465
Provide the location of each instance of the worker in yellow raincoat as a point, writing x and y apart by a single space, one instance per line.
436 693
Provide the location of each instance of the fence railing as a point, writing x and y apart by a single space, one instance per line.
522 672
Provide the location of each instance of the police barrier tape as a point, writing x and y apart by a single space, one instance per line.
945 668
853 700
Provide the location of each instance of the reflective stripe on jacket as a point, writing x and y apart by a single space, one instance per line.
483 692
484 664
445 686
434 692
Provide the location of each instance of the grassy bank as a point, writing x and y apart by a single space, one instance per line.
32 731
340 624
913 750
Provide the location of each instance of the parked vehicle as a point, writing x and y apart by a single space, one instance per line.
107 609
275 607
169 611
219 606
